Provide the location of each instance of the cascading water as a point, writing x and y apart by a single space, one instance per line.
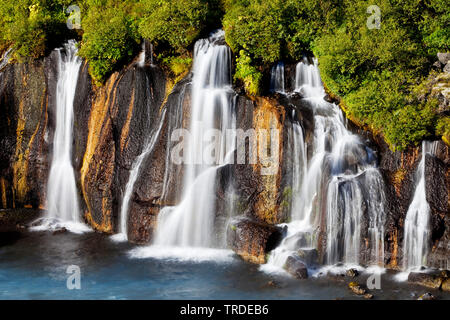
5 59
277 78
62 195
191 222
417 230
343 167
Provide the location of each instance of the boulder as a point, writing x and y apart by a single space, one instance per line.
251 239
447 68
309 256
437 65
14 219
356 288
429 280
427 296
445 285
296 267
352 273
444 57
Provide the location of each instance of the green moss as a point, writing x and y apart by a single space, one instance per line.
177 65
248 74
443 129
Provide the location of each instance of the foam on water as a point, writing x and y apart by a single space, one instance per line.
191 254
49 224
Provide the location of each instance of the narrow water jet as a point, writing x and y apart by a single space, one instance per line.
417 239
134 174
277 78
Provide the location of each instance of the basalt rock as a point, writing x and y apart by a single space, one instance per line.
23 135
11 220
429 280
427 296
123 113
444 57
356 288
252 240
309 256
352 273
296 267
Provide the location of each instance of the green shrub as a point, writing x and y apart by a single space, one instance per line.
32 27
110 37
177 23
177 65
443 129
248 74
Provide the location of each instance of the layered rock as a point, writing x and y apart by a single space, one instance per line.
24 148
252 240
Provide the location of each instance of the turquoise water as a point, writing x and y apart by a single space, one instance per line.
33 266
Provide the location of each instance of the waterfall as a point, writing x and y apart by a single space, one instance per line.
417 230
307 78
277 78
141 59
134 173
340 177
5 58
191 222
62 194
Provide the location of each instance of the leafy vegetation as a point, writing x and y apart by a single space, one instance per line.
32 26
110 36
378 73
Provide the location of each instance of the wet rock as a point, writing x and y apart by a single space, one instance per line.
356 288
447 68
24 149
123 113
296 267
272 283
328 98
444 57
352 273
445 285
59 231
16 219
251 239
425 279
427 296
309 256
438 65
437 188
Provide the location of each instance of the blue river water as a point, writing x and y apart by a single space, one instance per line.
33 265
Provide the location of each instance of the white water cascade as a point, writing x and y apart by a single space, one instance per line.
340 176
4 60
277 78
191 222
62 195
417 229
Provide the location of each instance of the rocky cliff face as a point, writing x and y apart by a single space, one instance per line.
399 170
112 124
